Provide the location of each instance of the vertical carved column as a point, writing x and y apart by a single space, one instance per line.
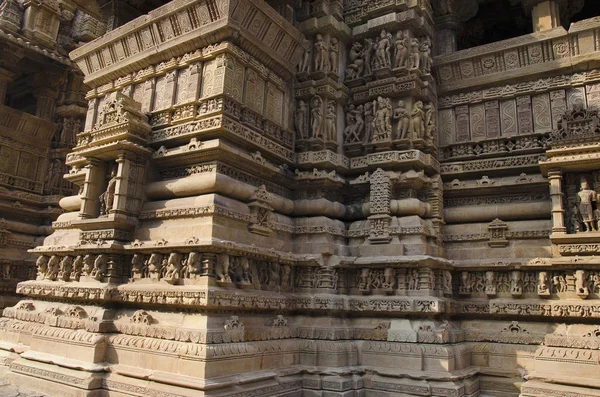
92 112
5 79
91 189
381 191
195 81
122 185
46 102
446 27
558 212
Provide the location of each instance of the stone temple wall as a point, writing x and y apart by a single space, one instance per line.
322 209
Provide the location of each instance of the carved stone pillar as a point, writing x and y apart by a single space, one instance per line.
46 102
558 212
5 79
122 185
91 189
545 14
446 27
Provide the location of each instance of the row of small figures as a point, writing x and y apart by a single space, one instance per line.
66 268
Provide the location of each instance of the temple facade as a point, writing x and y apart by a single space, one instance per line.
326 198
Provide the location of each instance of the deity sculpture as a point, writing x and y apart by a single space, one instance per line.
274 276
350 129
42 266
383 114
516 283
414 280
192 265
154 265
426 59
53 268
137 266
286 274
100 267
330 122
321 54
316 113
55 176
430 128
66 267
244 263
401 50
401 114
368 56
383 50
108 197
300 120
585 197
363 284
172 271
222 268
415 55
417 120
447 282
334 53
389 279
304 64
490 283
360 122
542 284
88 263
356 65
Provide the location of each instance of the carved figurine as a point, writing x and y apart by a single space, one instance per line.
383 125
154 266
430 128
559 283
300 119
286 274
426 60
447 282
274 277
369 121
465 283
368 56
364 283
542 284
107 198
77 268
350 130
66 267
389 278
356 65
383 50
334 53
53 268
321 54
42 266
585 197
330 122
137 265
100 267
304 64
192 265
414 280
245 265
401 114
417 117
222 268
316 113
415 55
401 50
516 283
173 268
360 122
88 264
490 283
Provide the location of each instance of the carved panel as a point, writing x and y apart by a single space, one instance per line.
524 114
463 131
447 126
477 122
508 111
541 113
492 119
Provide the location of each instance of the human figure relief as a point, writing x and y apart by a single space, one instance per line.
417 120
88 264
53 268
426 60
430 128
108 197
368 56
585 198
77 268
137 265
334 53
383 115
42 266
356 65
304 64
401 114
401 50
350 129
383 50
300 120
415 54
321 54
173 268
66 267
222 268
100 267
316 113
192 265
330 122
154 265
360 122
